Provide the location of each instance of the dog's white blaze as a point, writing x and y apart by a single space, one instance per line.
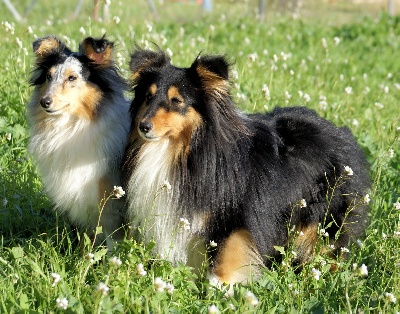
72 65
154 208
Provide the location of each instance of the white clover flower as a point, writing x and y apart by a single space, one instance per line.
265 91
336 40
363 270
288 95
307 98
19 42
8 136
252 57
184 224
348 171
8 27
118 192
90 257
390 297
213 309
212 28
213 244
159 284
323 262
386 89
62 303
231 306
294 254
149 27
5 202
303 203
355 122
315 273
82 31
103 288
384 236
359 243
396 85
397 205
29 30
366 90
344 250
251 299
234 74
300 93
291 72
349 90
116 19
366 199
324 233
324 43
390 153
379 105
115 261
169 52
56 278
140 270
166 185
169 288
396 234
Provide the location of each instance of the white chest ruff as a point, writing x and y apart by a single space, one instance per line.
155 208
73 157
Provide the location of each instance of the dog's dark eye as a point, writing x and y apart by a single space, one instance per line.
176 101
48 77
71 78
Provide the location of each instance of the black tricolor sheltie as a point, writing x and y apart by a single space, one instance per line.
202 176
79 124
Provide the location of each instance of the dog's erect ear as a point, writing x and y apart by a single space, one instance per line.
98 50
213 72
146 60
43 47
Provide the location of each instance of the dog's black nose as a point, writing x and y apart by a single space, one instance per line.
145 126
46 102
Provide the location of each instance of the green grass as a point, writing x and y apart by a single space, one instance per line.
288 56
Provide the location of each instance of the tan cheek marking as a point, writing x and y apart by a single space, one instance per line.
237 258
175 125
83 100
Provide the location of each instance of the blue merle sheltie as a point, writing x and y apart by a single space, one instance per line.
79 123
239 185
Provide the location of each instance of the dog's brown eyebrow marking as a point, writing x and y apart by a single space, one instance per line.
153 89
